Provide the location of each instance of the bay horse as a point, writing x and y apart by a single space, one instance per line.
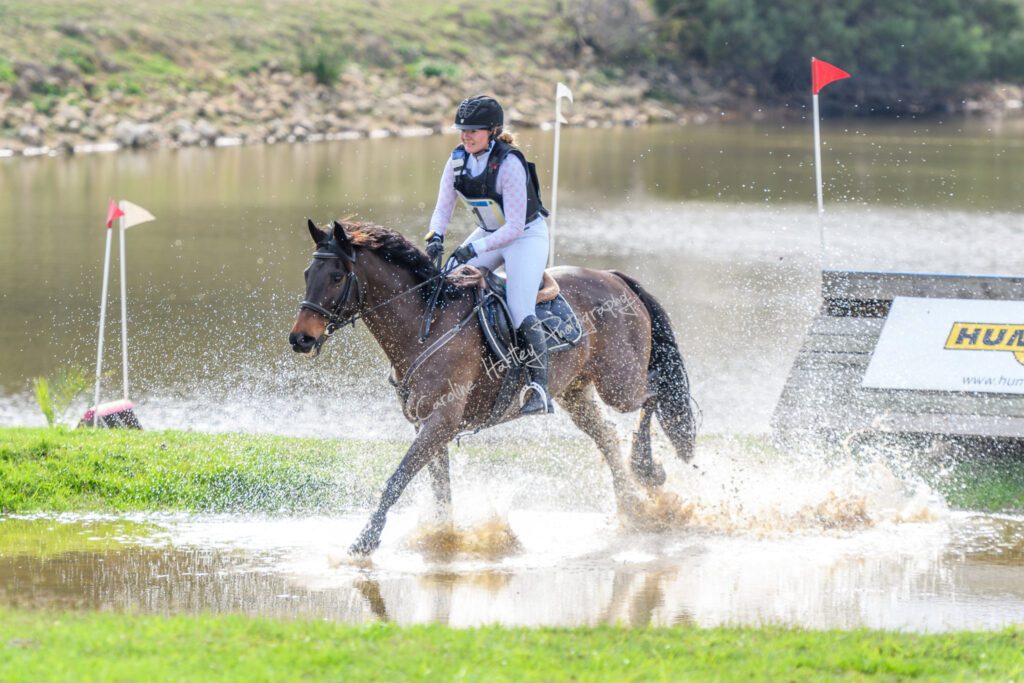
446 383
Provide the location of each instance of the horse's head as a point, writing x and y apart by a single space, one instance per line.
333 293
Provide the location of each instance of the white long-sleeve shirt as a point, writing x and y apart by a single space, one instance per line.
511 185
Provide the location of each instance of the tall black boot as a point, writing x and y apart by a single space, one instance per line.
536 347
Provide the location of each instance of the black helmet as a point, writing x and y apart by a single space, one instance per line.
479 112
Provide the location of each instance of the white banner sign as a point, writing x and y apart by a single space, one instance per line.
950 345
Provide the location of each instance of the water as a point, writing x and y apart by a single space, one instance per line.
574 568
718 221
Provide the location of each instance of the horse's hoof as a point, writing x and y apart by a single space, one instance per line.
363 547
651 477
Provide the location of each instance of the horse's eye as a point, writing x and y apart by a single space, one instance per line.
337 278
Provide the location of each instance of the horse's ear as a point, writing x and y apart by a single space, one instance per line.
318 235
340 235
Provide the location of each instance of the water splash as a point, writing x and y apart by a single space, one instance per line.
492 540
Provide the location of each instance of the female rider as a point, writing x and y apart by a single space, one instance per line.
496 182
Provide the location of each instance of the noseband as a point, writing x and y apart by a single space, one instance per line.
333 251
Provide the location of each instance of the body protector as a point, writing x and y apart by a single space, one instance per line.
480 193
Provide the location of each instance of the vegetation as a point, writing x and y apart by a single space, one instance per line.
983 483
917 55
59 470
907 56
55 397
37 646
323 60
102 45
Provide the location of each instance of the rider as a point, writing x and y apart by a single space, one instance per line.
492 177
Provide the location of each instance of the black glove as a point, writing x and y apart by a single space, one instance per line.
464 253
435 245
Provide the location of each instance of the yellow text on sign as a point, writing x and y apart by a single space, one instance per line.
987 337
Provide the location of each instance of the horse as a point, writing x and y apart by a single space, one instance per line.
628 357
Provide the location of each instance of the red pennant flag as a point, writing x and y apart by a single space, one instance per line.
823 73
113 211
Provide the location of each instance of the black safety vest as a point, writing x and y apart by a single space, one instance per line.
485 185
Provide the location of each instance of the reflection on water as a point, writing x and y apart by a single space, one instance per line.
963 572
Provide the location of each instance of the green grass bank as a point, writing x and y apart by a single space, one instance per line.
59 470
62 470
39 646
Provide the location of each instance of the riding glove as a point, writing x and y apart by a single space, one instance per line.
435 245
464 253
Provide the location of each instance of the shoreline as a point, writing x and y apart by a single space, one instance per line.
275 106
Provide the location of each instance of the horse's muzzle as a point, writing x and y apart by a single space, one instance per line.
304 343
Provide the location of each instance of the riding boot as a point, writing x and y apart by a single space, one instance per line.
536 347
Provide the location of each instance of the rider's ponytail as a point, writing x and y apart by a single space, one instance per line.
505 136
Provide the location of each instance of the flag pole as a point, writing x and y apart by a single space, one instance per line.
124 311
817 177
560 91
103 317
822 73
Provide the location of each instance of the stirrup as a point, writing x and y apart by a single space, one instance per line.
541 392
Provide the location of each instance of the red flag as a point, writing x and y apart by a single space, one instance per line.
823 73
113 211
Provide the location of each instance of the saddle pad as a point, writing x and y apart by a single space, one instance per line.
482 278
563 326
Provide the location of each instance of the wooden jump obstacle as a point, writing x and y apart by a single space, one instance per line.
826 398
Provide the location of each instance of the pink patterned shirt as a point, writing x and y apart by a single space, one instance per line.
511 185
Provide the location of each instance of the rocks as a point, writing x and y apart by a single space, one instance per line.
274 105
30 135
128 133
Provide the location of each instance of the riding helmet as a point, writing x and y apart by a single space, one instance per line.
479 112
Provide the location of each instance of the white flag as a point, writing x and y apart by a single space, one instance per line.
134 214
562 90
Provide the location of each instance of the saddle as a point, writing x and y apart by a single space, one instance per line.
553 310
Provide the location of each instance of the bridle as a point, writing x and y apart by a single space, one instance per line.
333 251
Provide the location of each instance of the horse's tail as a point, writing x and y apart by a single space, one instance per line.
668 375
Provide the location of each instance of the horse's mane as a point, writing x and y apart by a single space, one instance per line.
392 246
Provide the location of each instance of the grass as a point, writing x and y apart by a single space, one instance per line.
992 484
59 470
39 646
154 43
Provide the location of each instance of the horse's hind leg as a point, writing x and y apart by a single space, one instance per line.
581 405
440 479
649 473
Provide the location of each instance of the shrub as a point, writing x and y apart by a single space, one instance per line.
324 61
914 54
55 397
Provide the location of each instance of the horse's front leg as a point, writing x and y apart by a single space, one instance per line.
431 441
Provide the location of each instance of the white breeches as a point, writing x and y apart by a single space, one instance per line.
525 260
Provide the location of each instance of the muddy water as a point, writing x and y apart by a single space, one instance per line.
734 540
963 571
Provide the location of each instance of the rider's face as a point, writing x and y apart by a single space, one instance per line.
475 141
